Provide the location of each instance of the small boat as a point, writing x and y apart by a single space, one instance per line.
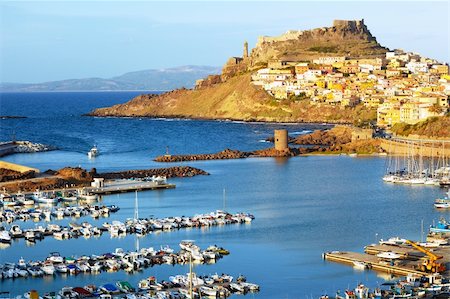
93 152
5 237
443 203
55 257
125 286
7 200
39 197
388 255
359 265
109 288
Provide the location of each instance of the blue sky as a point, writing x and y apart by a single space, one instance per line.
45 41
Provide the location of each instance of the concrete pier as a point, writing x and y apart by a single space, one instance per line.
408 262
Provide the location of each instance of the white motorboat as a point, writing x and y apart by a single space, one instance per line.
5 237
55 257
389 255
359 265
39 197
48 268
26 201
93 152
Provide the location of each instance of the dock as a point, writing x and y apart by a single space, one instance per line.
121 186
114 186
406 264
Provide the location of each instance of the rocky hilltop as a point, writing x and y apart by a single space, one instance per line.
231 95
350 38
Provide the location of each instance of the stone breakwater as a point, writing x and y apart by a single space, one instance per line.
178 171
13 147
235 154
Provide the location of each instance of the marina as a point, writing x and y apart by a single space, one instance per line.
301 209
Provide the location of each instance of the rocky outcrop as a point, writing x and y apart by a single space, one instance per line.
11 175
348 38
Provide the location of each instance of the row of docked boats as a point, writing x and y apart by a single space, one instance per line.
411 287
119 260
42 197
211 286
36 214
119 229
400 178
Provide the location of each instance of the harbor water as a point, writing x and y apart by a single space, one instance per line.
303 206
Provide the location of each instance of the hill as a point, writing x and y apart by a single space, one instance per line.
235 99
232 96
154 79
432 127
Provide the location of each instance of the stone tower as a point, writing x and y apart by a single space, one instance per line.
245 54
281 140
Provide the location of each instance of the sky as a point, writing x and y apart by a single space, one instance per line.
55 40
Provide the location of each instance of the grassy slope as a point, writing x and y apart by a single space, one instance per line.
235 99
432 127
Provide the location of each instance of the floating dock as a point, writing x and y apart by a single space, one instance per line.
121 186
406 264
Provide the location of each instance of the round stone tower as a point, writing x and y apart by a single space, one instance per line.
281 140
245 54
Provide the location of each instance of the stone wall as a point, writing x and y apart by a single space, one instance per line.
402 148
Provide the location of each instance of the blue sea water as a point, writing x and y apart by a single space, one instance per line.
303 206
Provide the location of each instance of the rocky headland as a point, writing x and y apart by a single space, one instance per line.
231 95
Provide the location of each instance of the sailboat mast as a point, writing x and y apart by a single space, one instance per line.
136 217
224 199
190 277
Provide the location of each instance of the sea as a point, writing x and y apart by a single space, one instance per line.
303 206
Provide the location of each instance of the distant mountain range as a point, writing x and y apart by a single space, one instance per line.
153 79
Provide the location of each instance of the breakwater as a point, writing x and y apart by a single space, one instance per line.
236 154
12 147
178 171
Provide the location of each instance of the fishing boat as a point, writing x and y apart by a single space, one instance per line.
443 203
93 152
22 199
40 197
7 200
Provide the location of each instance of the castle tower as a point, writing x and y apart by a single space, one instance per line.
281 140
245 54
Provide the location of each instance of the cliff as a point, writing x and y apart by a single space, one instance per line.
232 96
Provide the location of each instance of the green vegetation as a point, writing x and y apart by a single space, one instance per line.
325 49
432 127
